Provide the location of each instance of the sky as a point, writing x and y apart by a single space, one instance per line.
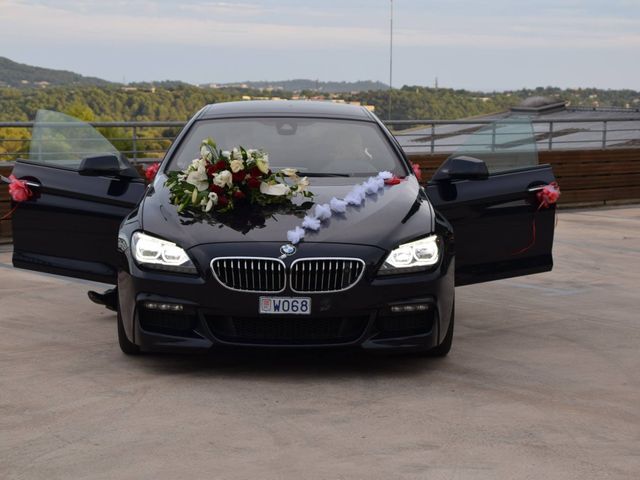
488 45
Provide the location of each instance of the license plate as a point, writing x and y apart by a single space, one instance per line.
285 305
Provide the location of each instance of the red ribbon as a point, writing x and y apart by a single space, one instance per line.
546 197
392 181
7 216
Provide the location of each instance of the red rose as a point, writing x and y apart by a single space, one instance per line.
216 189
255 172
222 201
151 171
19 190
238 176
216 167
239 194
253 182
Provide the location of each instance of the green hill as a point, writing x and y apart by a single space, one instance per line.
20 75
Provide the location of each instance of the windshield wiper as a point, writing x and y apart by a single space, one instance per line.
322 174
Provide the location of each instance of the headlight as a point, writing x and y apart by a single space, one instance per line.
153 252
412 257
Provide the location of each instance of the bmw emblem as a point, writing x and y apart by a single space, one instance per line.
287 250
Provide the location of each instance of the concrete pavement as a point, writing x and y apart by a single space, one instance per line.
543 382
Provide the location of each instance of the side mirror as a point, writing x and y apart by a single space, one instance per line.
107 165
461 168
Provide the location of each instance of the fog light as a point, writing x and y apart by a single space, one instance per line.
413 307
171 307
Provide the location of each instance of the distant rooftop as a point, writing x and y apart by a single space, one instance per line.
567 127
537 105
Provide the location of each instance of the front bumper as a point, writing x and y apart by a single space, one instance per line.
214 316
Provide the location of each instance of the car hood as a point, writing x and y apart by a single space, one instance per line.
398 213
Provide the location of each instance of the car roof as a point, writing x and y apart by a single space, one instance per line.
285 108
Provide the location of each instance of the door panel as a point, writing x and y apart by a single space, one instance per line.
493 223
71 225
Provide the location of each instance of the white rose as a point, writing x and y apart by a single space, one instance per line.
236 154
236 165
277 190
226 154
263 163
289 172
223 178
198 178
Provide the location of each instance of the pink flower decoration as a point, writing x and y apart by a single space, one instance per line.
549 195
151 171
417 171
19 190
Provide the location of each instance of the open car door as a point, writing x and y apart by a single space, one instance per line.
83 188
488 191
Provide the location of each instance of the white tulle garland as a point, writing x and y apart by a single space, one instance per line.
322 212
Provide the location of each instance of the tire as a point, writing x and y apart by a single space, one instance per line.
443 349
127 347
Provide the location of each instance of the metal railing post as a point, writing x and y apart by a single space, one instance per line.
134 143
433 138
604 135
493 137
550 135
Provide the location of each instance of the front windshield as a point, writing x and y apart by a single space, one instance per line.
310 145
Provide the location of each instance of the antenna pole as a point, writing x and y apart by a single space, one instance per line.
390 57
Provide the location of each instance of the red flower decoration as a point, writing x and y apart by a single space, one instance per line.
151 171
219 165
549 195
216 189
253 182
223 201
238 176
255 172
392 181
19 190
546 197
417 171
239 195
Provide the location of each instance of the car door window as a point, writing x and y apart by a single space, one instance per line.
505 145
63 141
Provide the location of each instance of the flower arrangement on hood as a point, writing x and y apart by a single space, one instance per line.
220 179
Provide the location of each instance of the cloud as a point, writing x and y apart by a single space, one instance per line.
220 24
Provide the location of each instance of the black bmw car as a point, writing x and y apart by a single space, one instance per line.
380 276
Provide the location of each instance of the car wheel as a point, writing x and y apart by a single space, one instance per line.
127 347
443 349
